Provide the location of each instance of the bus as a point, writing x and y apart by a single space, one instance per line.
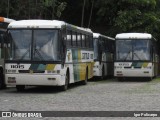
3 47
103 55
48 53
136 56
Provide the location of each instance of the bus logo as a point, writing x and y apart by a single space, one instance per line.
6 114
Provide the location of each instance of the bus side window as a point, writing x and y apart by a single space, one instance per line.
87 41
79 40
69 38
74 39
102 44
91 41
83 40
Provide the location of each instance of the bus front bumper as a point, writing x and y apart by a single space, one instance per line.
35 80
133 73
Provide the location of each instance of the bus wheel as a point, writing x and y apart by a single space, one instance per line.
65 86
84 82
20 88
1 81
103 72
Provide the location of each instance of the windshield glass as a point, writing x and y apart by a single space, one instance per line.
36 45
46 45
124 50
141 50
20 44
95 48
132 50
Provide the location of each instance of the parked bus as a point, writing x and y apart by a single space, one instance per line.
136 56
3 47
48 53
103 55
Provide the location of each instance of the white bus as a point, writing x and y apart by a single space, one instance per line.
103 55
48 53
136 56
3 47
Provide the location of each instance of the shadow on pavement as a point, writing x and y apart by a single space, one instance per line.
43 89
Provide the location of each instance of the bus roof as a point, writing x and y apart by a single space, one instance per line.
6 20
43 24
97 35
133 36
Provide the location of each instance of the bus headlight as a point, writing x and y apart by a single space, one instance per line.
11 80
149 67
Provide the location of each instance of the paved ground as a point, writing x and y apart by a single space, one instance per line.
106 95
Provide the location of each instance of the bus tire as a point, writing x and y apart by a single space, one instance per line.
84 82
65 86
3 81
20 88
103 72
2 84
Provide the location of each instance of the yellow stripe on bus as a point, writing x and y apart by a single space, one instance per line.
82 71
50 66
79 55
145 65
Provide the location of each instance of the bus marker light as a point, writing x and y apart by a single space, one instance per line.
11 80
119 74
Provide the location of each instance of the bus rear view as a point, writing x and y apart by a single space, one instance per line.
136 56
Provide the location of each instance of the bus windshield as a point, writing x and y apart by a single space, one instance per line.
95 43
127 50
38 45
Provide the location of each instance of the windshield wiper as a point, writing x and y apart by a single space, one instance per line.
137 55
127 55
39 54
24 54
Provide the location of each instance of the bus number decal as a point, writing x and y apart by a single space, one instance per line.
17 66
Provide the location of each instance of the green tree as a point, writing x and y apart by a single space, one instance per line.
30 9
129 16
53 8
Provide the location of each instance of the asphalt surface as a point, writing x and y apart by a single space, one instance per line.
97 95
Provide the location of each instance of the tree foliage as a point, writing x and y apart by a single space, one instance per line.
109 16
129 16
30 9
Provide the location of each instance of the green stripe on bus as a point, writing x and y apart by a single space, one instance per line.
139 64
